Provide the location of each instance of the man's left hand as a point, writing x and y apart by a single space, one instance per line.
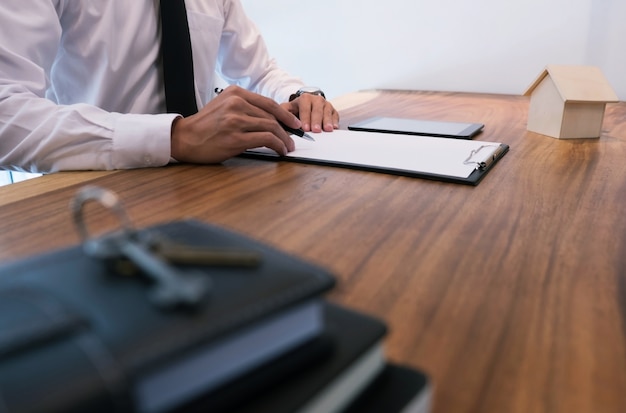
315 113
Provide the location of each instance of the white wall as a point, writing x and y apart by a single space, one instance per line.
495 46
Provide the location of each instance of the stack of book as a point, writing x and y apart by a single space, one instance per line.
344 370
78 338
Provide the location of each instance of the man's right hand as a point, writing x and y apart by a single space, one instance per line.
234 121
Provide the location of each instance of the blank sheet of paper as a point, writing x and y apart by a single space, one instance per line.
421 154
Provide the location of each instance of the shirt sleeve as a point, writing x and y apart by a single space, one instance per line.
38 135
244 58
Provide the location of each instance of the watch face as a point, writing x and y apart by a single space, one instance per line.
307 89
310 89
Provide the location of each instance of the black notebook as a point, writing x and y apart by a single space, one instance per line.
398 389
314 379
78 338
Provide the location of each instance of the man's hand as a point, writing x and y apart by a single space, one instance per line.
234 121
315 113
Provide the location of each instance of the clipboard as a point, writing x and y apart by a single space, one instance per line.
449 160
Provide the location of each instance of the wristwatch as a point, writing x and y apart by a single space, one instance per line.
307 89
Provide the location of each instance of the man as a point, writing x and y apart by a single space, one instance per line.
81 87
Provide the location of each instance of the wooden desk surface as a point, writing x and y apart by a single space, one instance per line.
511 294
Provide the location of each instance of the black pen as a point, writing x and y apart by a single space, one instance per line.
297 132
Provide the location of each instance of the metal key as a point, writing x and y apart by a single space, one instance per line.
191 255
171 286
184 254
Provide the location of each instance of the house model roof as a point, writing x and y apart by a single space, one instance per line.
577 83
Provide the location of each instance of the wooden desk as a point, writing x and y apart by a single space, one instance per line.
511 294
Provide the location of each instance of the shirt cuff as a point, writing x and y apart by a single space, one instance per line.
141 141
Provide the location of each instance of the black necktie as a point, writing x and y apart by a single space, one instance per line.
180 94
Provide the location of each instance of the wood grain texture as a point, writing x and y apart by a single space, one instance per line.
511 294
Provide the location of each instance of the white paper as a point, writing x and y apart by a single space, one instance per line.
424 154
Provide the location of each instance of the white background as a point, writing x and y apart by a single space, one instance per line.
494 46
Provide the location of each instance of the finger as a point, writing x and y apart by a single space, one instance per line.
240 121
317 113
254 126
304 111
277 130
269 140
246 117
291 107
331 118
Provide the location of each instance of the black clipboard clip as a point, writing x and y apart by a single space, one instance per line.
486 163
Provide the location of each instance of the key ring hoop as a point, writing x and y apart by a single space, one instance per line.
104 197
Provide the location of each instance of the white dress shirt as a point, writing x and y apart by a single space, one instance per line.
81 86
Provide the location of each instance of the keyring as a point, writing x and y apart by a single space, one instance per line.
107 199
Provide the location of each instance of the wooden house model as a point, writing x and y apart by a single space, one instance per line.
568 102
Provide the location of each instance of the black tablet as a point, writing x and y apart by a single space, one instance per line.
444 129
